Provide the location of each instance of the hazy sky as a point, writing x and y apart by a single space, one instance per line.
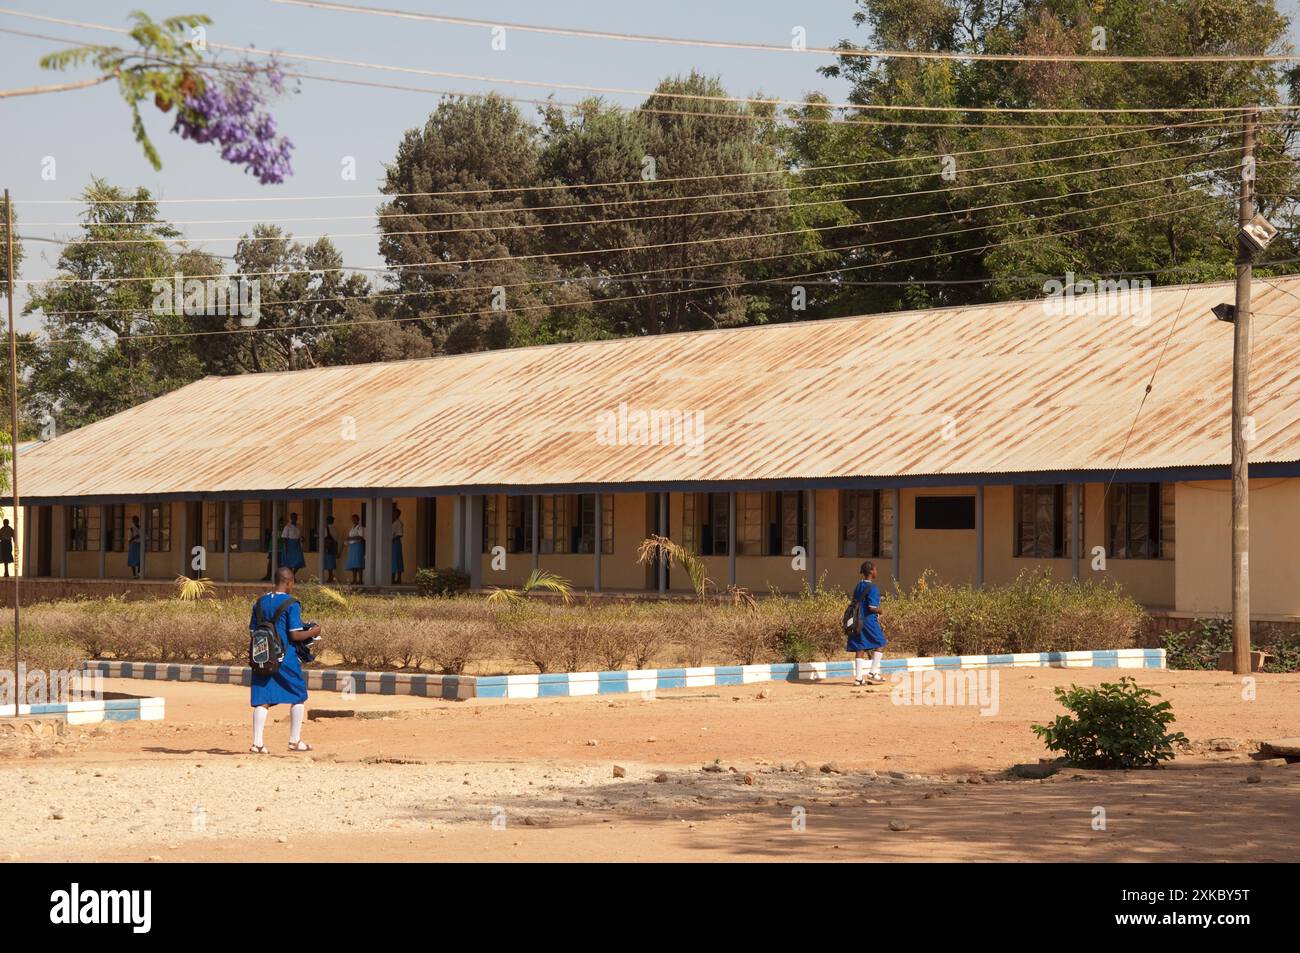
88 132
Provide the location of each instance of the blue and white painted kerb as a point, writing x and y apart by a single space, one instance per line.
568 684
455 687
93 712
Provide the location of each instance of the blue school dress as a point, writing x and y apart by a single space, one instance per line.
399 564
872 636
356 553
133 553
292 555
331 559
288 686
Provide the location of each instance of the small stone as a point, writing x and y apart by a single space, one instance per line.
651 740
899 826
592 742
714 768
661 778
1035 772
282 839
56 816
764 693
749 779
154 857
1253 779
831 767
620 771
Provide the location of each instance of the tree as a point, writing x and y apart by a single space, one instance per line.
4 257
102 314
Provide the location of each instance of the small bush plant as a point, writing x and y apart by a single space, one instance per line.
1115 725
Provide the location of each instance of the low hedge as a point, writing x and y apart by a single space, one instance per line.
1199 646
453 634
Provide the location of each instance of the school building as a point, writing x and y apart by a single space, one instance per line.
973 443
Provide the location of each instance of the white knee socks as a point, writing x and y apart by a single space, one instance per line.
875 663
296 713
857 666
259 725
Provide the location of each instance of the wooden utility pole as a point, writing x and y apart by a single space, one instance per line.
13 429
1240 411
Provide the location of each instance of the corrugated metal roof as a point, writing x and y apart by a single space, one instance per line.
1019 389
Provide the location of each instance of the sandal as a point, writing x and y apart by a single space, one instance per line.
257 749
299 746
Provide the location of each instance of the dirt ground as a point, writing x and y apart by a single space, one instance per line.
818 772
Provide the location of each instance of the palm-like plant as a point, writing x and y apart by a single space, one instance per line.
192 590
539 580
653 547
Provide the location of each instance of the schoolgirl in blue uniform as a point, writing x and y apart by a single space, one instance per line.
399 564
872 637
292 550
288 686
331 546
133 547
356 550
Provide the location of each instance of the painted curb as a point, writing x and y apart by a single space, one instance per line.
571 684
93 712
566 684
453 687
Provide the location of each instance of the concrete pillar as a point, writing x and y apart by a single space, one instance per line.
384 552
537 531
663 531
474 540
185 539
225 540
731 539
275 539
104 515
596 542
29 563
62 539
458 561
144 538
898 536
979 535
322 513
1076 544
812 539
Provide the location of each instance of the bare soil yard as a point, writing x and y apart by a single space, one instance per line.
425 779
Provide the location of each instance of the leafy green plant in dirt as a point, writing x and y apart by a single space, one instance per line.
1115 725
1198 646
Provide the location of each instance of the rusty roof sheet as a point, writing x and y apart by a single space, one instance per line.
995 389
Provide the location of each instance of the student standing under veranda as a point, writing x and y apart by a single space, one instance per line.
356 550
330 550
133 547
291 537
288 686
399 564
870 637
7 547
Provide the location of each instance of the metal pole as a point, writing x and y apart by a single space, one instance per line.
1240 410
320 539
104 516
13 421
275 539
812 540
64 527
979 535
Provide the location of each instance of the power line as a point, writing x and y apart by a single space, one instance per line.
700 97
652 294
790 48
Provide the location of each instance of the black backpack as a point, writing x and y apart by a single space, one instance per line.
265 647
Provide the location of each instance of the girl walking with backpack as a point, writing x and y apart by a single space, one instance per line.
278 678
869 637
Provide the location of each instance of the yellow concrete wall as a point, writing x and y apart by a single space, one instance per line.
618 570
1203 518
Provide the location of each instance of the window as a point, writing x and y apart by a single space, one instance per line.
214 527
158 527
753 537
246 526
1044 524
1141 521
83 529
115 529
945 512
866 523
705 523
569 523
787 524
519 524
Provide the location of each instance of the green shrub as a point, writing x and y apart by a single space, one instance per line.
441 582
1114 726
1198 646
